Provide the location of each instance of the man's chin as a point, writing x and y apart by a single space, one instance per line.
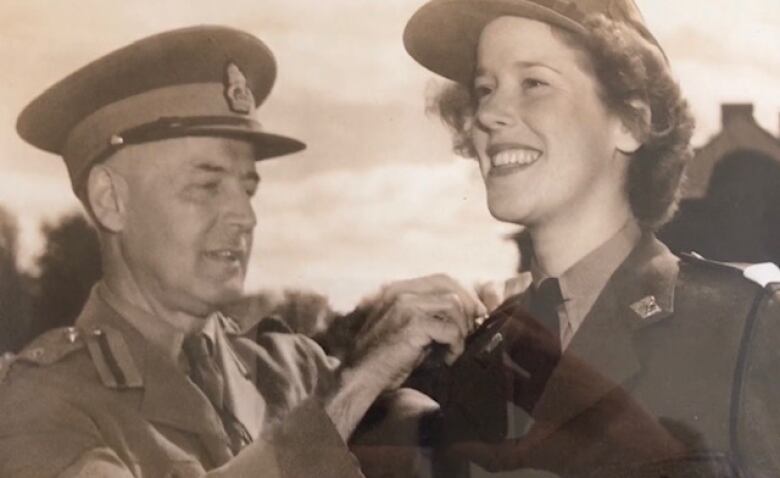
218 296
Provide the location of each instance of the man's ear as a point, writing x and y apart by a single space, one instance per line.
635 127
107 195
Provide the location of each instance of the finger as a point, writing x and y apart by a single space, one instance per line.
491 294
517 285
448 307
442 332
419 285
433 284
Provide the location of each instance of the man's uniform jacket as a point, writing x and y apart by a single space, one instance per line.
98 400
673 347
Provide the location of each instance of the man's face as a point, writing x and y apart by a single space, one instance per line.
189 222
547 144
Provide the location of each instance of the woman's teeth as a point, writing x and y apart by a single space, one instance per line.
510 157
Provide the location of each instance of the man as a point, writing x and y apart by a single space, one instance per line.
160 141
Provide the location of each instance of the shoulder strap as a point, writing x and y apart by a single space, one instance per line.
48 348
763 274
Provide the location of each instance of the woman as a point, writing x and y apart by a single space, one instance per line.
632 362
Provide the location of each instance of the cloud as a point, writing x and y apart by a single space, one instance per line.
344 233
376 195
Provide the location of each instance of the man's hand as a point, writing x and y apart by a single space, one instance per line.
407 319
404 323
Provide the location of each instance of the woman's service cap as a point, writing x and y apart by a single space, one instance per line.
198 81
443 34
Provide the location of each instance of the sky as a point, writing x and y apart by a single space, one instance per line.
378 195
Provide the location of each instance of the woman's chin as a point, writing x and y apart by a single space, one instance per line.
503 213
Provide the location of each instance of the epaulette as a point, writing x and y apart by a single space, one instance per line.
112 359
6 360
763 274
48 348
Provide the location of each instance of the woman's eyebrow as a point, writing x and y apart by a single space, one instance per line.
534 64
520 64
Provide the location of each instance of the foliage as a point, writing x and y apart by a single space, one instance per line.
14 293
68 268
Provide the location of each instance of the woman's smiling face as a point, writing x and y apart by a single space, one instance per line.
548 146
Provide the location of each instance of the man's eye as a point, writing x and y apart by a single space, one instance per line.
481 91
210 186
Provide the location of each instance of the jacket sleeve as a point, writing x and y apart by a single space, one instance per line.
304 445
756 422
295 377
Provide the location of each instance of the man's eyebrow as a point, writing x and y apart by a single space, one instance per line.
210 168
216 168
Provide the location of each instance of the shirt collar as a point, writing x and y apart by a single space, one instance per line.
165 338
582 283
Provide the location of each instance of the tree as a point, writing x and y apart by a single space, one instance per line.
68 268
14 289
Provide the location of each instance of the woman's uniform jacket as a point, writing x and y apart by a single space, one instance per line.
675 352
98 400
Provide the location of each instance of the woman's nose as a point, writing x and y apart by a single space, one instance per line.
495 111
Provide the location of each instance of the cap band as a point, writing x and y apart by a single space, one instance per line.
92 137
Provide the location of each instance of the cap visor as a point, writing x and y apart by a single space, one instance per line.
268 145
443 35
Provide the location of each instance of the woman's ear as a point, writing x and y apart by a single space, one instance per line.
107 196
635 127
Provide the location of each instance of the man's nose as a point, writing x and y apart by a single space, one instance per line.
240 212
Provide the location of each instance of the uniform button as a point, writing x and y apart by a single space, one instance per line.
72 334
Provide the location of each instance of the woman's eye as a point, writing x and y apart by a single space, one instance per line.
530 83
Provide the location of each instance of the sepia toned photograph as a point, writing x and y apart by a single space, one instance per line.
390 238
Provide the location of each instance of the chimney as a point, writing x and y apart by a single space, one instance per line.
730 112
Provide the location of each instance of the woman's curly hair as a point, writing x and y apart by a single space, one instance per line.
628 68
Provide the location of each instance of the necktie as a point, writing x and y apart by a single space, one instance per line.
205 373
203 369
544 303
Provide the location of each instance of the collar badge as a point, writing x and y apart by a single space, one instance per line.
646 307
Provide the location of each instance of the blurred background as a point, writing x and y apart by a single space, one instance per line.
377 195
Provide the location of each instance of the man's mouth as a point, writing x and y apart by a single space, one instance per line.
508 156
233 253
226 255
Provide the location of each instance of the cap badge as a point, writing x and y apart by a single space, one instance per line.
237 93
647 307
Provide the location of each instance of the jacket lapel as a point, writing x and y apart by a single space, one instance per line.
242 399
639 293
169 397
